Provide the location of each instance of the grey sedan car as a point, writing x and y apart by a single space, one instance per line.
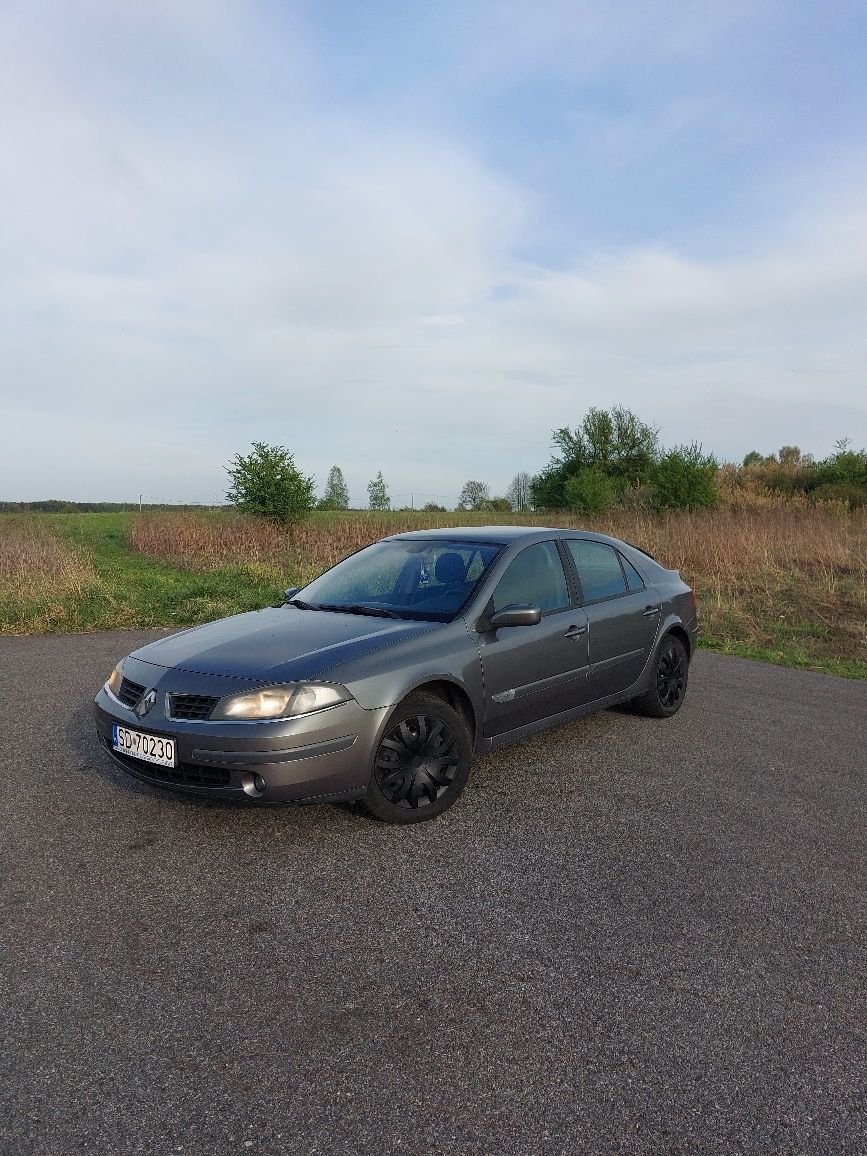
383 677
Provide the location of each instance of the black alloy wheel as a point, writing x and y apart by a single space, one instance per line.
667 688
417 761
422 762
671 675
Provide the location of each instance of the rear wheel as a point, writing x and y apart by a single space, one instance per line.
667 688
422 762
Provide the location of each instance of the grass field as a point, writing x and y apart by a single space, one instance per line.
787 585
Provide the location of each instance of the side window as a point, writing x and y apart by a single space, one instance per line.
598 569
634 581
535 576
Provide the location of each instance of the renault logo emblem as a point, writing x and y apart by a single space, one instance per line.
146 703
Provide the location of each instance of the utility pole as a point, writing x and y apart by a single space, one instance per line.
139 503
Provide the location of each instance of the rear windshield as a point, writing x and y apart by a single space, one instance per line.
408 578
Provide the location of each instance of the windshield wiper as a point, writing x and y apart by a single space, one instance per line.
359 608
301 604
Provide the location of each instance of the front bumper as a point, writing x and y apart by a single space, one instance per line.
311 758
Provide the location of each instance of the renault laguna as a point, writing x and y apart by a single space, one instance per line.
382 678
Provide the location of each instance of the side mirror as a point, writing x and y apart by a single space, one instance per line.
290 593
515 614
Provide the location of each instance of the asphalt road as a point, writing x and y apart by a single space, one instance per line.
629 936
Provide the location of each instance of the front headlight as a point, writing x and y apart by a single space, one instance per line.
115 679
281 701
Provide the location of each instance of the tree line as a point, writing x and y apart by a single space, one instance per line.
61 506
841 477
267 481
612 458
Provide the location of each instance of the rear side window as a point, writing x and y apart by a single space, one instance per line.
536 576
598 569
634 581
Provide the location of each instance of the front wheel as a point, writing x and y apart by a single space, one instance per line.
422 762
667 688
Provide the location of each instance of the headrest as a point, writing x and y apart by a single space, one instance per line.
450 568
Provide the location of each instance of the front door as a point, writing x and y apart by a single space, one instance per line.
532 672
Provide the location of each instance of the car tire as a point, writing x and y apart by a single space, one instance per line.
421 763
667 690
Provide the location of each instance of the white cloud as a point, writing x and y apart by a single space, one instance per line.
354 292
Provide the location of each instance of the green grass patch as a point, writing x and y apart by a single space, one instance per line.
131 591
785 656
789 620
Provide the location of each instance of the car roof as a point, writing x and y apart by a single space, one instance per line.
507 535
501 535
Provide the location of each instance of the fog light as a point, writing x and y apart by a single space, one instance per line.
254 785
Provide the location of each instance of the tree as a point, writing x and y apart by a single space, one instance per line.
615 442
790 456
753 458
474 496
685 479
501 505
268 483
547 487
377 493
336 496
518 492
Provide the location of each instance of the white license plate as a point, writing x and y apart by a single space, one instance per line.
148 748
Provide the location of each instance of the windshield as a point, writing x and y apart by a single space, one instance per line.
404 578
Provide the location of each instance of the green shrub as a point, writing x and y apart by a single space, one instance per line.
268 483
590 492
846 467
854 496
685 479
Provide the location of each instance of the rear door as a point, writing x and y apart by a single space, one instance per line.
531 672
623 615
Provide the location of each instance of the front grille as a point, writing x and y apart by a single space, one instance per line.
183 775
191 706
130 692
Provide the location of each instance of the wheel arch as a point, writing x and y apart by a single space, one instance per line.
454 695
680 632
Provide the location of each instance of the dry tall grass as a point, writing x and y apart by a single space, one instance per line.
36 568
207 541
725 544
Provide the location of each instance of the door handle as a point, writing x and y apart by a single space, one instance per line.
650 611
575 631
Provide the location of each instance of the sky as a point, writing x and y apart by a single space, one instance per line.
418 238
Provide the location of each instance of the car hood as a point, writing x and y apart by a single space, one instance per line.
279 643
